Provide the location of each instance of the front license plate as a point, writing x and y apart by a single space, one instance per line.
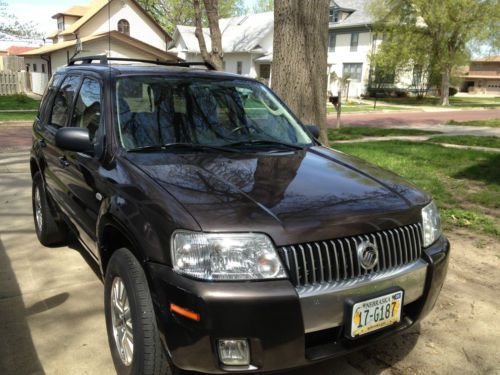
376 313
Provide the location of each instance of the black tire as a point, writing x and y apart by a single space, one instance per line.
50 232
149 357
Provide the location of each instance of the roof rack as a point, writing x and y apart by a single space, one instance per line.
104 60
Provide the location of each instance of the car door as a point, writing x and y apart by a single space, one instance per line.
80 172
57 117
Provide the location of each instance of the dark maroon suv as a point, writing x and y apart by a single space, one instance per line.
229 239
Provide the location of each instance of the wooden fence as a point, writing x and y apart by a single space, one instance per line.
13 83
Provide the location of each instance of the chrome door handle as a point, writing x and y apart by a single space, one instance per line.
63 161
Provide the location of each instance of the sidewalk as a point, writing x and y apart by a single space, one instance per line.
404 118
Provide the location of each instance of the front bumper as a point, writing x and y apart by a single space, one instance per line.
283 329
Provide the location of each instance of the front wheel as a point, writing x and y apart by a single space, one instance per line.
133 334
48 229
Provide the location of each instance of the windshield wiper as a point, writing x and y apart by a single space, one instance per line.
264 142
193 146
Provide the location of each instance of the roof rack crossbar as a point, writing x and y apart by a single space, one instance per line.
104 60
88 59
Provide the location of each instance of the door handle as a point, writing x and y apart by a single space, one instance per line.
42 143
63 161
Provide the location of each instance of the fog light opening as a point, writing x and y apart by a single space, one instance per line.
234 352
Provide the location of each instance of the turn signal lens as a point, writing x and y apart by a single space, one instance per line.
184 312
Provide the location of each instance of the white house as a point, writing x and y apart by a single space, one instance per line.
116 28
247 42
350 43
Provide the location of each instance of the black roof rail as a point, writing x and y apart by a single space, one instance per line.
104 60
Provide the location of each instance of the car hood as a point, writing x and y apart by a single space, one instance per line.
298 196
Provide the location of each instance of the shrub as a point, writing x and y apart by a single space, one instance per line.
452 91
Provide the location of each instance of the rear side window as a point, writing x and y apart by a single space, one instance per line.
49 91
87 111
63 100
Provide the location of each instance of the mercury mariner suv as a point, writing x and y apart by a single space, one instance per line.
228 238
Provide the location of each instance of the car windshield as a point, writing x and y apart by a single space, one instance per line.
155 110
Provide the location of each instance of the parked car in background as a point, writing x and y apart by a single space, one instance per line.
228 238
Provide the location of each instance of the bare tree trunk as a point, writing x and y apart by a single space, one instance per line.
445 86
215 56
300 58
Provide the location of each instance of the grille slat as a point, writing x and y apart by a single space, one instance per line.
337 275
337 259
328 262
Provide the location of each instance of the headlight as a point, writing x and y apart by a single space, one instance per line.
225 256
431 224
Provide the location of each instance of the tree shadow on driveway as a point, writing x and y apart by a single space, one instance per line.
17 352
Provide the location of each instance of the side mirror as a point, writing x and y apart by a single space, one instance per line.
74 139
313 129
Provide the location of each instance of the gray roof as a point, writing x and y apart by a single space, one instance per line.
360 17
239 34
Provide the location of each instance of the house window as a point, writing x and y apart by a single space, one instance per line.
43 68
417 75
60 23
265 71
124 27
239 67
354 42
334 15
332 41
34 67
353 71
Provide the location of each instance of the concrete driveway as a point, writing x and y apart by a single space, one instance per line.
52 318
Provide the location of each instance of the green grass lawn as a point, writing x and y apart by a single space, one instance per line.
360 132
455 101
18 101
468 140
17 116
464 183
495 122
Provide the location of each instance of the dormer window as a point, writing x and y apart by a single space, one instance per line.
334 15
124 27
60 23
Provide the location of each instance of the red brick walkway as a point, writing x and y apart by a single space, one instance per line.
386 119
15 137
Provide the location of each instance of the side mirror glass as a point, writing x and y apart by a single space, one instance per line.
74 139
314 130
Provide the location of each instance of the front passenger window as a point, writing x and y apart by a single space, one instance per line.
64 100
87 111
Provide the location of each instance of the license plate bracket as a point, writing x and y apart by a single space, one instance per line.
368 314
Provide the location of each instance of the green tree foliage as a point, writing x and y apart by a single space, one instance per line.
262 6
169 13
11 25
435 36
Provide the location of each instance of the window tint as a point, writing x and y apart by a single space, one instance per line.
87 111
48 93
63 101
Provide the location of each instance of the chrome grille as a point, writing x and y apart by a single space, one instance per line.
337 260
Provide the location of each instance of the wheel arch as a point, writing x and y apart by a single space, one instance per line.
113 235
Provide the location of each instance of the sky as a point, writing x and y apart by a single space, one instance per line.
41 11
